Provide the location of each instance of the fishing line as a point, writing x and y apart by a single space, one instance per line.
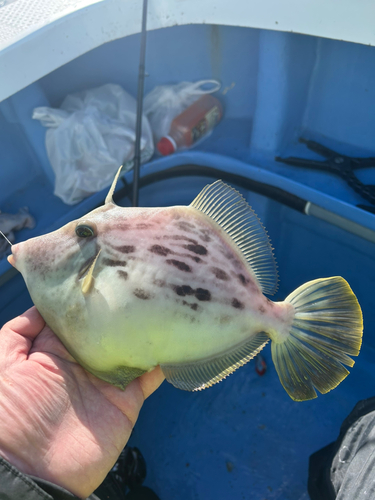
138 126
11 244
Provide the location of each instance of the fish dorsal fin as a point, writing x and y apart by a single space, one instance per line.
229 209
207 372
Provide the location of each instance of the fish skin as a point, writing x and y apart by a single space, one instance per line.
169 287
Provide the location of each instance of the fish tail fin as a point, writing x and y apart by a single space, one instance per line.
326 329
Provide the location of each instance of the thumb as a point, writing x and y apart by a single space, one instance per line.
17 336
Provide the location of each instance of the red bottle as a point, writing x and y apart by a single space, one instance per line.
193 123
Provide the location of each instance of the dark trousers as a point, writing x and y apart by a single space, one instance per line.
345 469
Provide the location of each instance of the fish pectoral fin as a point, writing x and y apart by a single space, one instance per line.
120 376
229 209
89 279
199 375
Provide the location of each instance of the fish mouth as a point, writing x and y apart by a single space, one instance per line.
11 260
12 257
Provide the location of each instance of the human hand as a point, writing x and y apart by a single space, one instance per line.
57 421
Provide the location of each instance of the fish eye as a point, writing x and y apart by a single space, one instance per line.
85 229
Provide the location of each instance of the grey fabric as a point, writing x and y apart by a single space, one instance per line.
17 486
14 485
345 469
353 466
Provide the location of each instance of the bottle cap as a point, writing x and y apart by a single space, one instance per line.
166 146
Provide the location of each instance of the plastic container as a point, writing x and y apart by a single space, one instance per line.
191 125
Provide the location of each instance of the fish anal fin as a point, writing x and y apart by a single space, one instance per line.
202 374
229 209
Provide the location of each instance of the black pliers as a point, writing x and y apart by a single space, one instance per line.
338 164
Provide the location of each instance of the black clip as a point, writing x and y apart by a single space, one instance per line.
338 164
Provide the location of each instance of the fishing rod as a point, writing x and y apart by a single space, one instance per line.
138 126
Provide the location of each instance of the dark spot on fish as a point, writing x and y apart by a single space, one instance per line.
121 225
237 304
159 283
159 250
177 237
180 265
199 249
245 281
189 256
229 255
193 307
237 263
141 294
261 309
202 294
205 235
220 274
124 275
114 263
125 249
185 226
195 259
224 251
183 290
143 225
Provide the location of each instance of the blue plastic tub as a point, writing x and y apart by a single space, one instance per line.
243 438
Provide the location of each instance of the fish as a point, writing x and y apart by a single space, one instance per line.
184 287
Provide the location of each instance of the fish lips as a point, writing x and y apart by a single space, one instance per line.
12 258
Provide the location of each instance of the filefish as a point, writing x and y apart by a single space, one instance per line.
183 287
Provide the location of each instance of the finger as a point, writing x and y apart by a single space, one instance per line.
18 334
28 324
139 390
130 400
48 343
151 381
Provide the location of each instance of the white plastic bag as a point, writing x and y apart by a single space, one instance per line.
165 102
89 137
